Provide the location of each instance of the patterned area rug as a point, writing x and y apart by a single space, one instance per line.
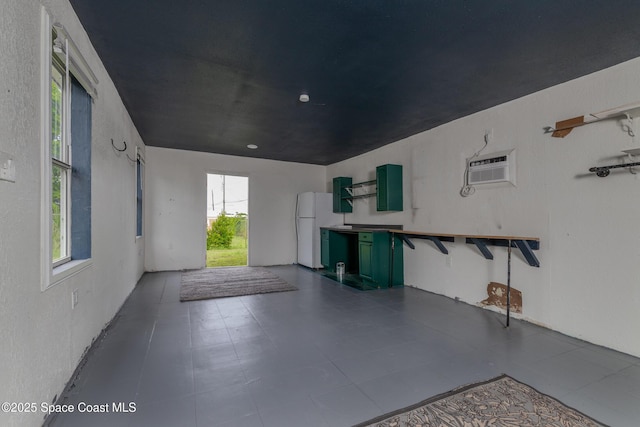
499 402
230 282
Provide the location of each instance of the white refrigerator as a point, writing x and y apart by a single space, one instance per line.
313 210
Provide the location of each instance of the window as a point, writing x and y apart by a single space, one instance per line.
67 91
61 164
139 188
81 173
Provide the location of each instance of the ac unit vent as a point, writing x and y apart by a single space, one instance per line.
490 168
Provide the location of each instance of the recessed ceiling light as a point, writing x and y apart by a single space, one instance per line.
252 146
304 97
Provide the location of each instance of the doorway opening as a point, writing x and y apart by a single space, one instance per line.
227 220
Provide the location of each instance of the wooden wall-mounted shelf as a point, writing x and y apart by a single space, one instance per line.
564 127
526 244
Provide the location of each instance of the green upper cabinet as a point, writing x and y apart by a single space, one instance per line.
340 194
389 188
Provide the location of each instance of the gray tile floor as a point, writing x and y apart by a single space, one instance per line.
326 355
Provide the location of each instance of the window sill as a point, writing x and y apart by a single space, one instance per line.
69 269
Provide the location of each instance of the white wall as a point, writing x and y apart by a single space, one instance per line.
42 338
587 285
176 206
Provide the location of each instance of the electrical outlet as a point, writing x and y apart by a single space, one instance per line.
7 167
74 298
449 261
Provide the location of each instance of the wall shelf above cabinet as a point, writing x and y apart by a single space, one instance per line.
352 196
359 196
388 190
364 184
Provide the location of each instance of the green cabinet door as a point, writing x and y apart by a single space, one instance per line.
389 188
324 248
367 256
396 261
340 194
334 248
380 258
365 259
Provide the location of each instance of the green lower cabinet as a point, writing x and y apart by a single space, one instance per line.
380 259
374 256
334 248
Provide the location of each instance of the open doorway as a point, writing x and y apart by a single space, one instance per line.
227 220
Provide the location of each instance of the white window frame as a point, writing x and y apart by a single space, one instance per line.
139 159
72 61
63 160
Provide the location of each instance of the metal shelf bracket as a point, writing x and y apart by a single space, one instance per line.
407 241
482 247
436 241
527 251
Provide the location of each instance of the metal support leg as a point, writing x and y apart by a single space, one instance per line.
508 282
393 253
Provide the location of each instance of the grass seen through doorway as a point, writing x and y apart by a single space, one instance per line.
235 255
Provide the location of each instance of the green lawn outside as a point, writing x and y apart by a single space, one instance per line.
236 255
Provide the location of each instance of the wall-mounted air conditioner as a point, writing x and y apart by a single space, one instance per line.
491 168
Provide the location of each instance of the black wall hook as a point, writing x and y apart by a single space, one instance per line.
119 149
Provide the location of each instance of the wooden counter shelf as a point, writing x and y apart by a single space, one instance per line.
526 244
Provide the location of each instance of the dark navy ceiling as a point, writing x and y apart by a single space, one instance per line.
216 75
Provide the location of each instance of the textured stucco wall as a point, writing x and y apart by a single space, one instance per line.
587 285
42 337
177 197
